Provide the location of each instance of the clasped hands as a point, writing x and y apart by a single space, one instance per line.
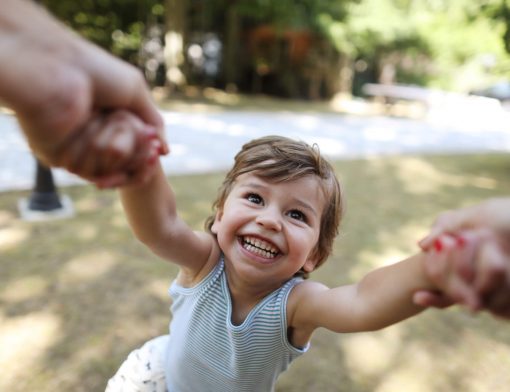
468 258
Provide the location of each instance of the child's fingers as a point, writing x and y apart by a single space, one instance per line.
139 169
119 147
433 299
144 171
444 266
113 149
117 141
104 152
491 269
464 254
148 147
160 132
76 155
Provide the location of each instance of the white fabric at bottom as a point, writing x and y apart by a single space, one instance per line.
143 370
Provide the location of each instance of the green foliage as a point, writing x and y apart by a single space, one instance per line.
116 25
297 14
461 37
443 43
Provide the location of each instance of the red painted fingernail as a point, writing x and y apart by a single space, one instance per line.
438 245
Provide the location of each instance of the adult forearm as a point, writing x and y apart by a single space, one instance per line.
51 96
56 82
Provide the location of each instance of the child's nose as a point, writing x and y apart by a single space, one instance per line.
269 218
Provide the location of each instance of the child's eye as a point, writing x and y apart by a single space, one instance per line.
298 215
254 198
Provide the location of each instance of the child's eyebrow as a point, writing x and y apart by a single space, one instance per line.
255 185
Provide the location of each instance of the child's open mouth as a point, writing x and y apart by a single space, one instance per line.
259 247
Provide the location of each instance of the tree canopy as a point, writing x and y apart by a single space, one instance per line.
304 47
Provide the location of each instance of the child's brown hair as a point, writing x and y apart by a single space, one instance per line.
279 159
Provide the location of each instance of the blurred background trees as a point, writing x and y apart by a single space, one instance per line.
307 49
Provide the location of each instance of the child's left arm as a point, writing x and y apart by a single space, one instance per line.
383 297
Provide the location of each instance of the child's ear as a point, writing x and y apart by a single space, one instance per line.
217 220
311 263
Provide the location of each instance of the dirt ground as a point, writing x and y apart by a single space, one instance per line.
77 295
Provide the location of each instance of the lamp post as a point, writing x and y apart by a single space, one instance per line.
44 202
44 196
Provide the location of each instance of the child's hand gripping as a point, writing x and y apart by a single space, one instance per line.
114 149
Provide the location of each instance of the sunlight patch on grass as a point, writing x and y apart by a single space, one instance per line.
86 232
408 234
6 217
474 358
119 221
409 380
370 354
117 206
24 289
159 288
420 177
412 371
87 267
465 363
200 211
402 243
483 183
24 341
11 237
369 260
88 204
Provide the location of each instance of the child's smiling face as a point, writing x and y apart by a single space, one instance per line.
269 230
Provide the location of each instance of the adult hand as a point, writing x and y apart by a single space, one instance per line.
56 81
117 142
487 272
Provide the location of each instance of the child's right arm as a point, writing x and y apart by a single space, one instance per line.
152 213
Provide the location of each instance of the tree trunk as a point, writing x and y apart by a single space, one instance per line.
345 75
232 47
175 21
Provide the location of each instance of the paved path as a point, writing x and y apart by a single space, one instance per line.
204 142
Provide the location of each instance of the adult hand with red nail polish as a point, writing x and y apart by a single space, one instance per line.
445 265
487 273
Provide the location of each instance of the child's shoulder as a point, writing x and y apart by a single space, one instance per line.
300 311
189 277
303 294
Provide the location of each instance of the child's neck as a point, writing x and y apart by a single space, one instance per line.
244 296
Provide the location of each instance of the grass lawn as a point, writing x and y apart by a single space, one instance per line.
77 295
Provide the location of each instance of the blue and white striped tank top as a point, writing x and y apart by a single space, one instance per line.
207 353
